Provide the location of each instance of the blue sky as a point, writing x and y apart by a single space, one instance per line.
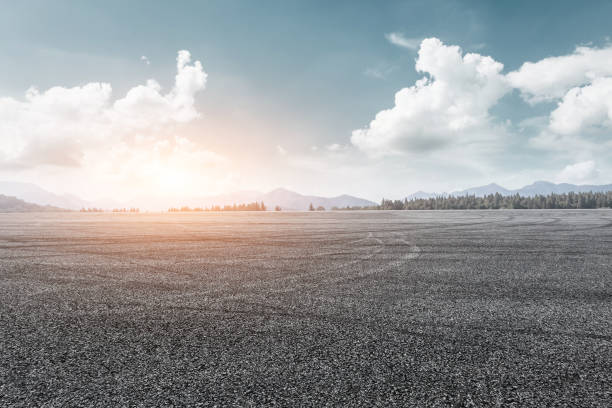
289 82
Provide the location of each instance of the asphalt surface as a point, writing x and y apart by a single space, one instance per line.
465 308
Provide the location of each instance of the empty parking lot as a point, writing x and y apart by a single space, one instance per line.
440 308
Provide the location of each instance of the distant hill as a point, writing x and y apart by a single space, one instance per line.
37 195
423 195
291 200
545 187
483 190
13 204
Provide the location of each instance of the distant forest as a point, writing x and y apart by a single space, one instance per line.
467 202
497 201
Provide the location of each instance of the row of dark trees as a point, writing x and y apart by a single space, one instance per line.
115 210
498 201
124 210
312 208
255 206
357 208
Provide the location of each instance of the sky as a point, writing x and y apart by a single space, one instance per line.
376 99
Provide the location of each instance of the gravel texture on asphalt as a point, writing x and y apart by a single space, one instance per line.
444 308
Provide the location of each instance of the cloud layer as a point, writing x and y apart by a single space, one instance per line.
445 124
551 78
449 109
136 139
62 126
581 85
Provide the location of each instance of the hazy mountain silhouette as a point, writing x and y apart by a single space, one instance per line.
477 191
295 201
35 194
483 190
286 199
424 195
13 204
545 187
536 188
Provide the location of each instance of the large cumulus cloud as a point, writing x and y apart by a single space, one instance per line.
64 126
581 85
447 108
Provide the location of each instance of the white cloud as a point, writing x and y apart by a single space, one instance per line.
447 113
60 126
583 109
144 104
401 41
134 144
51 127
551 78
577 173
581 83
449 108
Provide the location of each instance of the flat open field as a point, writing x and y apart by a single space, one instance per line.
484 308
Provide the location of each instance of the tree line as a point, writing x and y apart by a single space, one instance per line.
115 210
254 206
497 201
585 200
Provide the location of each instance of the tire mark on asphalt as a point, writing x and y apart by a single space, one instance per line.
411 255
457 328
121 260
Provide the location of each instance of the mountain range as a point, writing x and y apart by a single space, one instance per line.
537 188
286 199
38 195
